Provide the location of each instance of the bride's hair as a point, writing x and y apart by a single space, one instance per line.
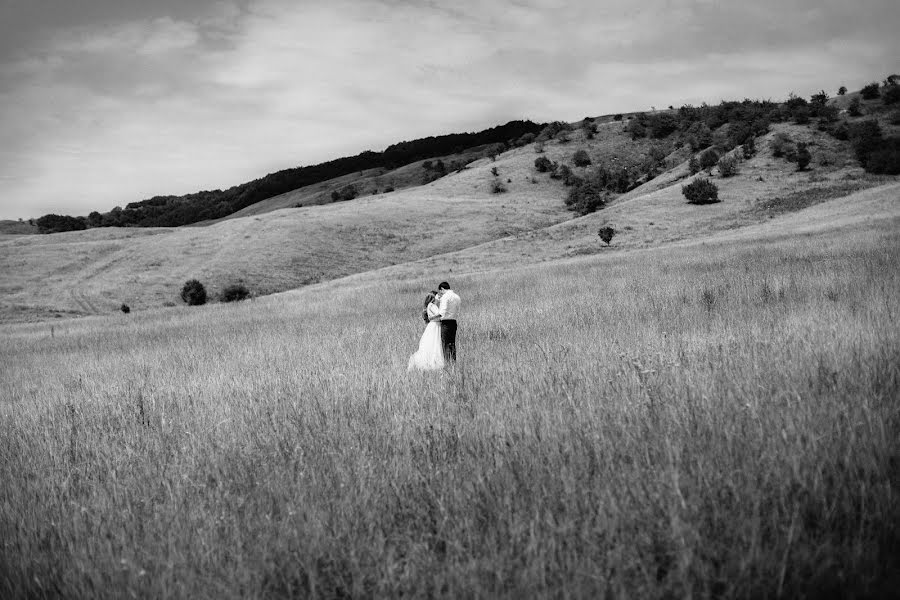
428 300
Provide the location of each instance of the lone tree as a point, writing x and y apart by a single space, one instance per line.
542 164
193 293
581 158
606 234
701 191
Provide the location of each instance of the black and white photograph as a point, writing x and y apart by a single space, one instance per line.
502 299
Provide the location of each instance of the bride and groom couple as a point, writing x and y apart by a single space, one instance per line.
437 347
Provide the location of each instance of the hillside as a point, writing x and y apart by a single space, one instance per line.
452 224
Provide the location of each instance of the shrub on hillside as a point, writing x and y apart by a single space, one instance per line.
553 130
193 293
526 139
866 138
870 91
662 125
803 156
497 187
801 115
542 164
235 293
698 136
59 223
617 117
782 146
588 195
125 308
636 128
701 191
749 148
694 165
606 234
820 99
558 171
709 158
886 158
875 153
841 131
349 192
842 90
581 158
854 108
728 166
891 94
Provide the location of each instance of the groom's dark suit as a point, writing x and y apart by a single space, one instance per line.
449 309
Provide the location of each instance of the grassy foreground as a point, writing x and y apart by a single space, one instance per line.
709 421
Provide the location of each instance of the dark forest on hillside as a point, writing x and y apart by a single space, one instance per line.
172 211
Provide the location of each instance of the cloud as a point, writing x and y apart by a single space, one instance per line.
121 100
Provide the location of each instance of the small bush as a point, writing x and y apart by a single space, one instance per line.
803 156
841 132
587 195
854 108
235 293
842 90
701 191
581 158
606 234
891 94
782 146
125 308
617 117
193 293
636 128
542 164
539 147
709 158
749 148
494 171
348 192
497 187
801 115
662 125
694 165
728 166
870 92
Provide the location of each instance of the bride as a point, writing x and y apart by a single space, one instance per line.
430 355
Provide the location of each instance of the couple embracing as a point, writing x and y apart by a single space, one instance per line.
437 347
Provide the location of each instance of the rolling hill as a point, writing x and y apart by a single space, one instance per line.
455 223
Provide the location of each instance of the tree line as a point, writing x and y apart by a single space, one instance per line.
173 211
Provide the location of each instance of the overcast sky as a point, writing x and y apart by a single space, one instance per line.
106 102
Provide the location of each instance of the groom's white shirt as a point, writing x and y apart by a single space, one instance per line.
449 306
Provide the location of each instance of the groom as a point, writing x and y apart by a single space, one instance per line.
449 309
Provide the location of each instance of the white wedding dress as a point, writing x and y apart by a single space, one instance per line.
430 355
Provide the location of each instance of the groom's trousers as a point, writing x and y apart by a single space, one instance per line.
448 339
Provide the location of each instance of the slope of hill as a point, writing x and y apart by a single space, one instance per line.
453 223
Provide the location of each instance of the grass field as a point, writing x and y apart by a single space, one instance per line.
712 419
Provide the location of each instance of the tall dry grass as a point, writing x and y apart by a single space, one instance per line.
715 421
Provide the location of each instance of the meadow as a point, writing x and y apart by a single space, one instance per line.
716 419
